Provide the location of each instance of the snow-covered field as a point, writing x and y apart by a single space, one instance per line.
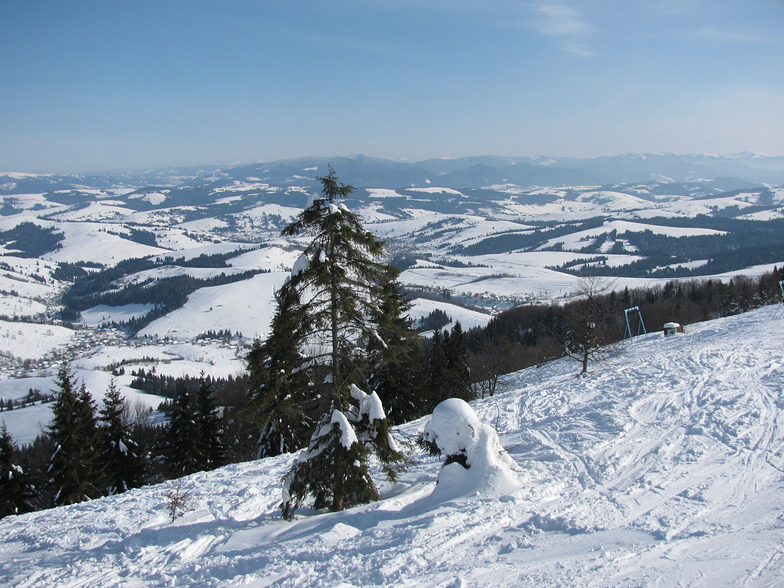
29 341
663 467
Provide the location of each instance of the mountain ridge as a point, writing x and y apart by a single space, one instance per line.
365 171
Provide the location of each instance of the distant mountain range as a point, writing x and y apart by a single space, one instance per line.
736 171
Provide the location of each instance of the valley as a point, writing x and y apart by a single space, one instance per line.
149 267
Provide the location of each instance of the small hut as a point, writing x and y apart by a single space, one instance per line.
672 328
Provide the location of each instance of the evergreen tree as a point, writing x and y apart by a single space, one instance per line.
458 374
398 364
335 289
437 370
182 452
73 469
120 457
15 491
337 280
281 387
449 375
35 461
208 428
334 468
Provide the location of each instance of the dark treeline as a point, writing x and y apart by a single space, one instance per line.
31 240
743 243
88 452
168 386
529 335
166 294
91 288
29 399
171 291
525 240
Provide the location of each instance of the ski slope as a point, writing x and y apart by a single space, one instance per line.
663 467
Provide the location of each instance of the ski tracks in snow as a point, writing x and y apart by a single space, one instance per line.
687 442
664 466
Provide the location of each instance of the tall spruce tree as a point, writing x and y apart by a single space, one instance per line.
181 451
15 491
337 280
208 427
334 291
120 458
74 472
458 372
398 362
282 391
449 375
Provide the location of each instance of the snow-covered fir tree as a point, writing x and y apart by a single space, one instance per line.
328 312
208 427
74 472
449 374
120 457
282 391
15 491
334 468
476 462
181 443
398 361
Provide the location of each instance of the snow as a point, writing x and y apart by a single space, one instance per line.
154 198
272 258
468 319
246 307
456 430
580 239
436 190
92 241
31 340
95 211
104 314
300 265
662 467
347 435
453 428
369 404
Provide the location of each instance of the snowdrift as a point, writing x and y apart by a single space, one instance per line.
665 466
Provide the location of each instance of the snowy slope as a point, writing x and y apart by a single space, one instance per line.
245 307
665 466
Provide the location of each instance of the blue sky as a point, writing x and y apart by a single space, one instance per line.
122 85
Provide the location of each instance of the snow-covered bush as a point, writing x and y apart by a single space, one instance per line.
476 463
334 469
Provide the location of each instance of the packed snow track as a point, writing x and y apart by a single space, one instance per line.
662 467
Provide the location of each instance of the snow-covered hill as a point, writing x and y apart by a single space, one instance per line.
664 467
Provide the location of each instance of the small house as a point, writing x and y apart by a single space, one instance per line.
672 328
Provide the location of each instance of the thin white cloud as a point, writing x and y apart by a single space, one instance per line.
565 24
742 37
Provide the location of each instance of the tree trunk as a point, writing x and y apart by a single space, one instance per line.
333 316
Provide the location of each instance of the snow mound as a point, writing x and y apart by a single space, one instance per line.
369 404
347 435
457 432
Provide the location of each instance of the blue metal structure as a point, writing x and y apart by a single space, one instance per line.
640 323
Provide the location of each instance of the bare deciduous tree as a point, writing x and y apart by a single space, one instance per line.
587 321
